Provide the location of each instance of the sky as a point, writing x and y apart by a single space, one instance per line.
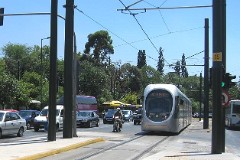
176 31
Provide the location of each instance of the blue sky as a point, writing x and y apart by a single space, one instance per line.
176 31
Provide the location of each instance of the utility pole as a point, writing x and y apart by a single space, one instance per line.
206 76
217 144
69 95
53 73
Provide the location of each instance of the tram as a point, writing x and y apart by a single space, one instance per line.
165 109
232 114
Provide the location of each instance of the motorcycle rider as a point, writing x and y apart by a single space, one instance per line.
120 115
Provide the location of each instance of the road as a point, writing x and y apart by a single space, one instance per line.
129 144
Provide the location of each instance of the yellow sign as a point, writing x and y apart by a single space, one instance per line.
217 56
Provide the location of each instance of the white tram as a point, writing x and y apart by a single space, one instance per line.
165 109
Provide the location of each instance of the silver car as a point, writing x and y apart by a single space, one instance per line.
11 123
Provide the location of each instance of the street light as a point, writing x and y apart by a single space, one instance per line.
42 70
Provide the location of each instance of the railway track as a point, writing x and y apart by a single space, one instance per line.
138 152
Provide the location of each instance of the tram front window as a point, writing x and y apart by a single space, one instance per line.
158 105
236 109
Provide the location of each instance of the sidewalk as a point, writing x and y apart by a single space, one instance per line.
194 143
40 147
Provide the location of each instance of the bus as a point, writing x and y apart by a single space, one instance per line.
232 114
82 103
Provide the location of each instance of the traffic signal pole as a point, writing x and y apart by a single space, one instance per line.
53 73
217 144
69 95
206 76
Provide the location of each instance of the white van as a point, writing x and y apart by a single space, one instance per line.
41 121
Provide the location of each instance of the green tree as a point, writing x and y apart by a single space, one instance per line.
177 68
160 64
8 90
100 43
150 75
141 59
93 80
183 67
17 59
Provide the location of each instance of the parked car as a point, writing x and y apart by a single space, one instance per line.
29 116
11 123
108 116
137 116
87 119
127 115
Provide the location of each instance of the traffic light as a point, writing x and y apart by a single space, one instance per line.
1 17
228 81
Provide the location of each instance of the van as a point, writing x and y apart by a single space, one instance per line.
41 121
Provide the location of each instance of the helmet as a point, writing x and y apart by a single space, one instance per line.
118 109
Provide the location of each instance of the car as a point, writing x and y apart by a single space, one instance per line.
29 116
108 116
137 116
11 123
127 115
41 121
87 119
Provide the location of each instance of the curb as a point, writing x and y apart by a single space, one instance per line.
60 150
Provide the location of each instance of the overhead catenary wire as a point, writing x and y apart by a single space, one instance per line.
134 15
112 32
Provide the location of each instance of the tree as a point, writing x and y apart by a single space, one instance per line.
17 59
177 68
101 45
8 90
141 59
93 79
183 67
160 64
150 75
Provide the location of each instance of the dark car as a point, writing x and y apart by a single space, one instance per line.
137 116
87 119
29 116
108 116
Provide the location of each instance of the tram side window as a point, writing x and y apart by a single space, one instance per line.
236 109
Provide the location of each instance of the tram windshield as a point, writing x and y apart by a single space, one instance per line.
158 105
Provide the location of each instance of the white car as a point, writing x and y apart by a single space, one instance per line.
11 123
41 121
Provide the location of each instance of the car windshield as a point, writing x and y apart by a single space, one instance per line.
126 112
44 112
25 113
1 116
111 111
84 114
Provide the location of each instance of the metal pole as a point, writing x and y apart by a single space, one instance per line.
68 68
217 77
41 76
206 76
200 97
53 73
42 70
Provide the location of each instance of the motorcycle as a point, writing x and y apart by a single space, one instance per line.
116 124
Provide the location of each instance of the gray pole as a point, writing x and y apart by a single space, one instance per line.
224 65
53 73
217 77
68 71
200 97
206 76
